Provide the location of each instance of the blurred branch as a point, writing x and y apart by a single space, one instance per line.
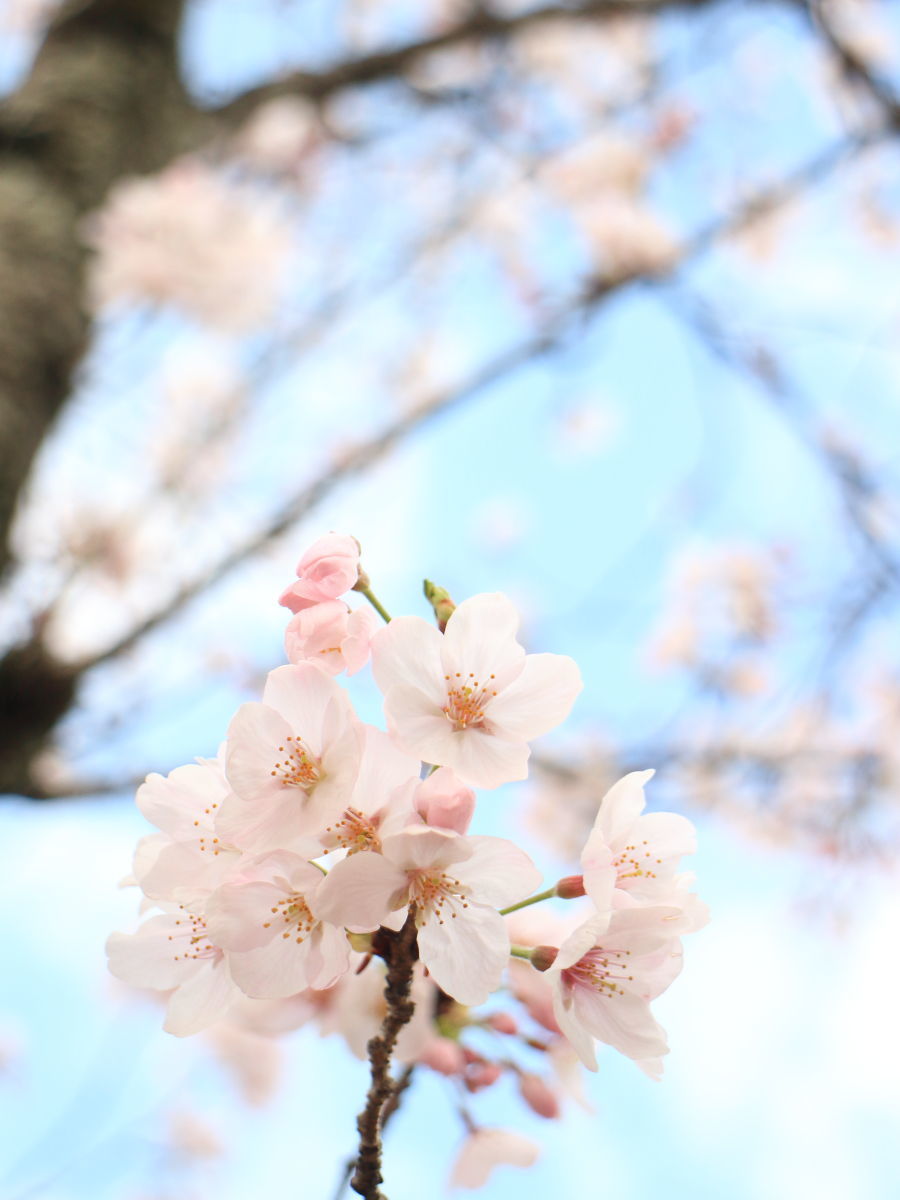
552 335
480 24
848 474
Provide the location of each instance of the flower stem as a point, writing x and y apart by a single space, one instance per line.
548 895
375 602
520 952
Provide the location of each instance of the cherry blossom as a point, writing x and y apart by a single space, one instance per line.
266 919
381 802
292 761
190 238
486 1149
606 973
332 636
634 853
189 858
457 883
174 952
471 698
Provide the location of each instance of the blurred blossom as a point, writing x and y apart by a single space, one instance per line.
486 1149
279 135
189 238
190 1136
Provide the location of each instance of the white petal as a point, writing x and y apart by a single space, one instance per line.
408 652
359 892
498 872
420 846
466 955
254 736
484 760
621 806
303 693
481 638
201 1001
237 914
578 1037
539 699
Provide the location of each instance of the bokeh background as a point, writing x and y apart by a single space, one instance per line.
595 304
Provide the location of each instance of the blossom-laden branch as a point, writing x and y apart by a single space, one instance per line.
400 955
249 911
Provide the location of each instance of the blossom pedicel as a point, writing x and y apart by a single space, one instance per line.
321 863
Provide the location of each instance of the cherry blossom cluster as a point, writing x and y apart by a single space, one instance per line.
284 869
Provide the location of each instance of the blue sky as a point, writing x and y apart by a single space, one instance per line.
782 1075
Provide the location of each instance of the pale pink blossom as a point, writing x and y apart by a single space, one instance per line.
470 698
605 975
292 762
486 1149
188 858
381 802
188 237
328 569
634 852
266 919
174 952
457 884
254 1060
279 134
332 636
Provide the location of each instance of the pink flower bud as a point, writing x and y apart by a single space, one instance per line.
442 801
328 569
444 1056
482 1075
539 1096
503 1023
543 957
571 887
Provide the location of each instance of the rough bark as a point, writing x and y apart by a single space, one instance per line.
104 100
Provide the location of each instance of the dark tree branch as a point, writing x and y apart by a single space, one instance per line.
383 1090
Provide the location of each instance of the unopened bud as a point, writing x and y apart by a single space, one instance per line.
543 957
439 599
503 1023
362 581
571 887
482 1075
538 1095
444 1056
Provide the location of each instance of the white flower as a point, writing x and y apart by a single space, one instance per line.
457 884
471 698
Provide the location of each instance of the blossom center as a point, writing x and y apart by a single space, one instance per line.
354 832
600 970
193 938
437 893
294 914
299 767
467 700
632 862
